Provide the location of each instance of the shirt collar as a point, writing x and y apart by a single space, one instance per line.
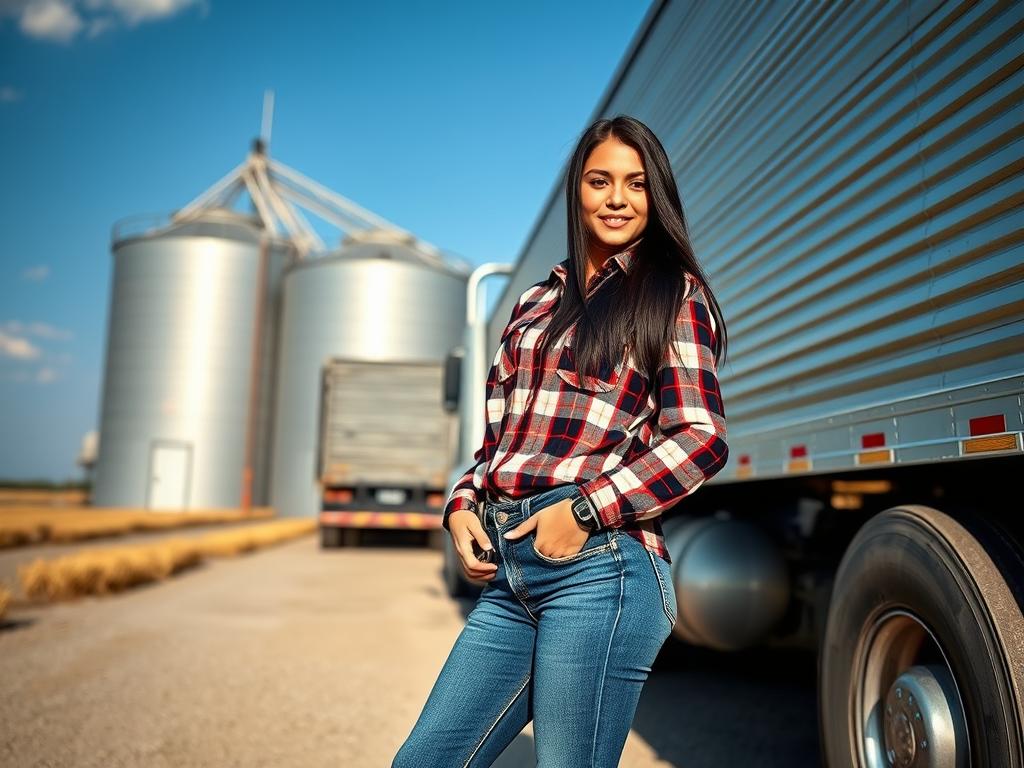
624 259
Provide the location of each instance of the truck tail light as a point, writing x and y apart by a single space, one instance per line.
338 495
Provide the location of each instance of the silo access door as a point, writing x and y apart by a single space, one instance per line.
169 469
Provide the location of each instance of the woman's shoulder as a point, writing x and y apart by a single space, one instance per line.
535 292
695 308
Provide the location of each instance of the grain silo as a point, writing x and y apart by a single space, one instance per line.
189 364
193 356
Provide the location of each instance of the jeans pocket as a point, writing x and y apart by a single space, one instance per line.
595 544
663 573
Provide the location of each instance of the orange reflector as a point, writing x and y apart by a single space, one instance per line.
798 465
875 457
995 443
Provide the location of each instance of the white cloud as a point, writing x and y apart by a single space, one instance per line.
45 331
9 94
63 20
136 11
50 20
17 347
36 273
46 375
99 26
42 330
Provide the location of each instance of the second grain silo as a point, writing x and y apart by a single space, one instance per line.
381 298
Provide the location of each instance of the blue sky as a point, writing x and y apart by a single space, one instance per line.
449 119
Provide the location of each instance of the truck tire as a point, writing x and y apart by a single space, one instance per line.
330 538
922 659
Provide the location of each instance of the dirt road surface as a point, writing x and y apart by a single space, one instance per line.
296 657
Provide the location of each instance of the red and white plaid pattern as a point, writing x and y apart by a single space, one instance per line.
634 451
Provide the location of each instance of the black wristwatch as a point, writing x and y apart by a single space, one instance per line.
585 514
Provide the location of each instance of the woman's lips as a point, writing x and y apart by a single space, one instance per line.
615 222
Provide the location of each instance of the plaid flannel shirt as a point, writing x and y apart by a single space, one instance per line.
634 451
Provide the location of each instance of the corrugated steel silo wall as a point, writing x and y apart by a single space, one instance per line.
851 176
362 309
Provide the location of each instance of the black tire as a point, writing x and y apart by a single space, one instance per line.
916 591
330 538
351 537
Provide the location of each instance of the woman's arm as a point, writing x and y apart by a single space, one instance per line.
468 491
691 447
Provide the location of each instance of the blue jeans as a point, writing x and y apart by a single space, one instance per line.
566 642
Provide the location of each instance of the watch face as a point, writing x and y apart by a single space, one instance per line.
583 512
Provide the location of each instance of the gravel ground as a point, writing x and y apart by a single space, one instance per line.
296 657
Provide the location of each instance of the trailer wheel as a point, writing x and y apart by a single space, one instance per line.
922 657
330 537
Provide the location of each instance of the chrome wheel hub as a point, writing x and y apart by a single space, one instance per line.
911 715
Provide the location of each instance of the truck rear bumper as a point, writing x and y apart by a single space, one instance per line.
362 519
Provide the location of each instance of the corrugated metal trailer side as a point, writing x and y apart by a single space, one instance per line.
852 177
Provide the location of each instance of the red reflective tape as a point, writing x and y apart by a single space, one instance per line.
872 440
987 425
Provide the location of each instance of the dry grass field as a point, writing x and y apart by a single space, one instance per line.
71 497
24 524
103 571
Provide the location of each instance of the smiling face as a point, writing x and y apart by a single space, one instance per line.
613 197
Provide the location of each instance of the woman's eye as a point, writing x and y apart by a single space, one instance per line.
601 182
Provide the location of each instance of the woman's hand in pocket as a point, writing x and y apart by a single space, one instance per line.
558 533
465 527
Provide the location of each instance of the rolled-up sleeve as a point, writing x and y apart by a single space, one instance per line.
689 446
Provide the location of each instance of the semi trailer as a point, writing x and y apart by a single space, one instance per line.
886 536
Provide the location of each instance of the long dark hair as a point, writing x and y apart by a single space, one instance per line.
640 308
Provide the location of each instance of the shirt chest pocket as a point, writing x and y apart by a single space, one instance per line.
606 379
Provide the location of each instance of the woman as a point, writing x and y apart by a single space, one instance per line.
581 455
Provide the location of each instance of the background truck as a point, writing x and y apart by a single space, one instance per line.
383 448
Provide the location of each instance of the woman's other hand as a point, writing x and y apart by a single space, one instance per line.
558 533
465 527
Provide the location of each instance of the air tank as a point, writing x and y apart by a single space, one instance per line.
190 364
374 299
